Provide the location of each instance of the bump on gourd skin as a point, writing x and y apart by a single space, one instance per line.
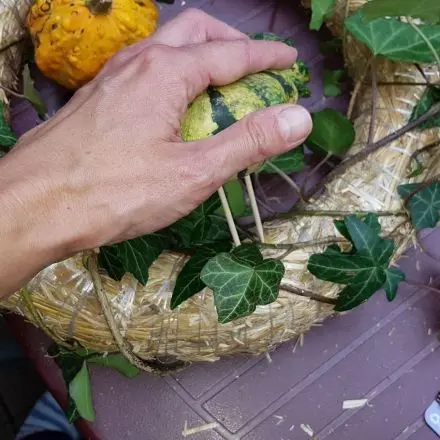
72 44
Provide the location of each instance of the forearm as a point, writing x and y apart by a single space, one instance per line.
31 231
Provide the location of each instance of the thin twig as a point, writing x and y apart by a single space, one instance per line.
306 213
424 149
254 207
373 102
362 155
313 171
403 83
265 206
421 286
303 244
307 294
421 187
344 31
123 345
283 175
357 89
229 216
11 43
12 92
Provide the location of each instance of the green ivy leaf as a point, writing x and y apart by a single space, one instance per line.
332 132
332 79
394 39
116 361
80 391
424 205
32 94
7 136
394 277
290 162
188 282
133 256
242 282
427 10
430 97
370 219
364 270
320 10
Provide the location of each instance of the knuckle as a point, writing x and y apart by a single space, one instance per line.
156 53
194 14
198 173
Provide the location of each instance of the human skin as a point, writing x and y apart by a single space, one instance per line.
111 166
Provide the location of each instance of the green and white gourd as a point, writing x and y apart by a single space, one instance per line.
220 107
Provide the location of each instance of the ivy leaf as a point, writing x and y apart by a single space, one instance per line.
116 361
427 10
248 254
331 82
394 277
424 205
290 162
430 97
361 287
370 219
320 10
7 136
80 391
133 256
188 282
239 284
332 132
31 93
394 39
364 270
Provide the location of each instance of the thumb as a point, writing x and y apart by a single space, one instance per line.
257 137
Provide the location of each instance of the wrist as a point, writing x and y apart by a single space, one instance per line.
34 233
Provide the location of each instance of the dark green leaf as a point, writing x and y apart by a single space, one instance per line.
134 256
360 289
320 10
424 205
332 132
182 231
236 198
394 39
69 362
430 97
427 10
269 36
188 282
290 162
211 229
31 93
116 361
80 391
332 79
72 413
364 269
238 287
340 269
248 254
394 277
7 136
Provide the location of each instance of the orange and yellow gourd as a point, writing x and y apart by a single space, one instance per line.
73 39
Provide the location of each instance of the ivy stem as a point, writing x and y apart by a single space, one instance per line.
12 92
314 170
303 244
254 207
373 102
370 148
306 213
283 175
308 294
421 286
229 216
357 89
11 43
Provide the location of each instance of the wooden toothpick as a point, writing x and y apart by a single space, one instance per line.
254 206
229 217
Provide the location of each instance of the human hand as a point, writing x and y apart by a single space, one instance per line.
110 165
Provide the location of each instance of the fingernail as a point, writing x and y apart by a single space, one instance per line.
295 123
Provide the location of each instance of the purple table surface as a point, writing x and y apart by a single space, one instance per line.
384 352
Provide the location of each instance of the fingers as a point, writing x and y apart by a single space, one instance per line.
223 62
256 138
192 26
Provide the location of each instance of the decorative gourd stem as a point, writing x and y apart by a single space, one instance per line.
99 7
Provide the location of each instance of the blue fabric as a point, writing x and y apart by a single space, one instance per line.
47 416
